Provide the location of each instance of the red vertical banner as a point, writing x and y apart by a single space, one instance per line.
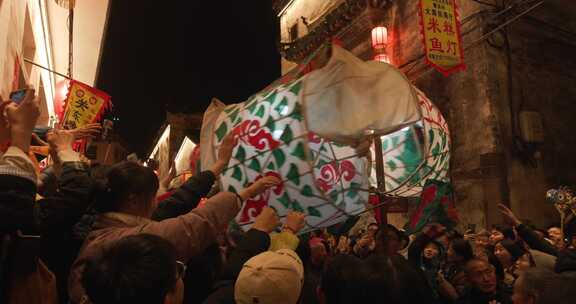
440 29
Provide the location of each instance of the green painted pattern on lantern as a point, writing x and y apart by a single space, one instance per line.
312 211
297 112
234 116
287 135
296 206
255 165
270 98
307 191
351 193
232 189
271 166
299 151
293 174
251 106
221 131
261 111
279 113
295 88
281 106
279 157
237 173
270 124
240 154
285 200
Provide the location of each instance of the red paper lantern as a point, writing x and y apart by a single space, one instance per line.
382 58
379 37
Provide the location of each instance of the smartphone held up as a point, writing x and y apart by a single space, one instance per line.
18 96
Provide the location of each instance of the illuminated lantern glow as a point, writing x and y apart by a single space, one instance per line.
382 58
379 37
60 96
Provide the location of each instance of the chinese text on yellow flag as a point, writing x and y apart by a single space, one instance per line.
440 27
84 105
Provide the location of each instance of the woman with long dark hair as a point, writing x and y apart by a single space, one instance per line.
127 204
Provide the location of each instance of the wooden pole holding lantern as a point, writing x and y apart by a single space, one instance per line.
381 180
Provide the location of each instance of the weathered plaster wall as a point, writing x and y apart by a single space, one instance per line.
543 80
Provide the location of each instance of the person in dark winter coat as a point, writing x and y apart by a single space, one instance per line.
485 288
428 255
49 219
139 268
566 257
17 172
459 253
256 241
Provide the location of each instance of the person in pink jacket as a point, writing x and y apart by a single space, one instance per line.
130 194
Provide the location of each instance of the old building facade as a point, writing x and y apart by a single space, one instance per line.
37 31
510 112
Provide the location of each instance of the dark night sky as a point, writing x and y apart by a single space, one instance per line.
176 55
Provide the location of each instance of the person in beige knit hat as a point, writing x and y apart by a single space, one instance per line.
270 277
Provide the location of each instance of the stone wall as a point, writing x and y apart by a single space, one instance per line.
543 68
489 163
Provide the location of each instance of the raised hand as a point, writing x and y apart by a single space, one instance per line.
509 216
343 244
266 221
434 230
259 186
22 119
88 131
60 139
25 114
294 221
224 154
225 151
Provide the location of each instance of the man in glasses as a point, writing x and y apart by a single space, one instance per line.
485 287
136 269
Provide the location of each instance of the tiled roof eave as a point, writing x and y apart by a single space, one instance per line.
331 24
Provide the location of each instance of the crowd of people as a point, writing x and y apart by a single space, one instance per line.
86 233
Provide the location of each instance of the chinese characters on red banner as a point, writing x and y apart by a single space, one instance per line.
84 105
441 33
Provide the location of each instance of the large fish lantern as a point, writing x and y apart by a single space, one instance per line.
301 129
